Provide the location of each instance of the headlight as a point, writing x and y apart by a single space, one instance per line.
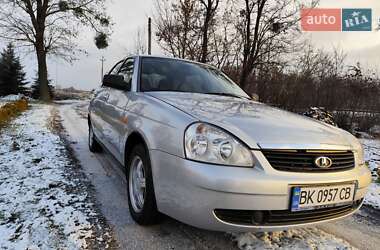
207 143
359 154
357 148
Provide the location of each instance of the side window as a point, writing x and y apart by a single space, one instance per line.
127 70
116 68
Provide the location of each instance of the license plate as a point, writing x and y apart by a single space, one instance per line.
312 197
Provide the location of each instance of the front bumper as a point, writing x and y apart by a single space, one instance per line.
191 192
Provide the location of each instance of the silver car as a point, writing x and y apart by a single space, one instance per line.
197 148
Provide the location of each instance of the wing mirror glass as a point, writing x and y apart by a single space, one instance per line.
116 82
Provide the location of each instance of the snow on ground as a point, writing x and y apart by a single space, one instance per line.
81 106
372 156
308 238
9 98
43 202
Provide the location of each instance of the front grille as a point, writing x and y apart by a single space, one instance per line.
283 217
304 161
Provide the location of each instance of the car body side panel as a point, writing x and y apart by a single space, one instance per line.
113 122
96 108
113 116
160 124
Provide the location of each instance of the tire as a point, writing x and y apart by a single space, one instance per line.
93 143
141 198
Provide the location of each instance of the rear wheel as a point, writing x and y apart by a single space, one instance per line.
93 143
141 197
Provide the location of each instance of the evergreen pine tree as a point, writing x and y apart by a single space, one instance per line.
12 75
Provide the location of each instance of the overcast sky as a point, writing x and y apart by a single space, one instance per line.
128 15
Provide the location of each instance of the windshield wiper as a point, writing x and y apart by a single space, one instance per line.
227 94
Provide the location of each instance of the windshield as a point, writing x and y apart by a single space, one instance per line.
160 74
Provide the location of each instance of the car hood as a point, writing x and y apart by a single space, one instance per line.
259 125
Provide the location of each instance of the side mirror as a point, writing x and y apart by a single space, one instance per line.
116 82
255 97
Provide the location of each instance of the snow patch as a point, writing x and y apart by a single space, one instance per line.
307 238
10 98
372 157
372 198
39 208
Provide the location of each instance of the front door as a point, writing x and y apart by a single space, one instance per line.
115 111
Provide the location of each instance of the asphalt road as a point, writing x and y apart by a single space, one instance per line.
362 230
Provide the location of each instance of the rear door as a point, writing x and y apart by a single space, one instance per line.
115 111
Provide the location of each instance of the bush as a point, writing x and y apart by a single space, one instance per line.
319 113
10 110
358 121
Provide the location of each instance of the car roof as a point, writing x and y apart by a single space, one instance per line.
172 58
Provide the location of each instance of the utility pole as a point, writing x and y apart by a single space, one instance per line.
149 36
102 60
56 74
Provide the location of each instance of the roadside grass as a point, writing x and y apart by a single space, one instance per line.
11 110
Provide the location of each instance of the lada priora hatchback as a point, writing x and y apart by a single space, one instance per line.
197 148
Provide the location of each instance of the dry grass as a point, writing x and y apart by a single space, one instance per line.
11 110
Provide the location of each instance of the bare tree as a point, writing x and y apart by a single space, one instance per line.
196 29
50 27
210 7
267 28
247 36
223 51
178 27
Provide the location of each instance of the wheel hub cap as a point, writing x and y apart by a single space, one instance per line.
137 184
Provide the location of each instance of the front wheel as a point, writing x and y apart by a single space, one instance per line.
141 197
